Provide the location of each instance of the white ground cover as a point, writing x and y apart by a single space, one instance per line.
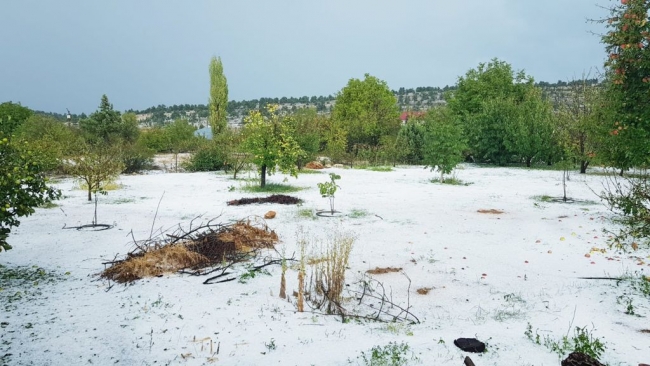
490 275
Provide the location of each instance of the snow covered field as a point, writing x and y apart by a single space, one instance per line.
489 275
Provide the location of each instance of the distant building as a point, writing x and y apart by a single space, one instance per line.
204 132
405 116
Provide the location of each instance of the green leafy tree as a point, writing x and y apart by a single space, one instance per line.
411 139
218 104
306 126
129 130
95 165
579 117
270 142
12 115
529 134
628 122
181 139
23 186
48 138
486 100
628 83
368 110
443 142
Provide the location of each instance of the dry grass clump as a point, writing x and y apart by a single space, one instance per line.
329 275
383 270
490 211
423 290
245 236
168 259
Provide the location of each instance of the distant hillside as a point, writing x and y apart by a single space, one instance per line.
413 99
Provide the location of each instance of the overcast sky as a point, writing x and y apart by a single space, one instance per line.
65 54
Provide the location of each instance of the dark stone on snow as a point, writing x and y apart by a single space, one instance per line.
580 359
470 345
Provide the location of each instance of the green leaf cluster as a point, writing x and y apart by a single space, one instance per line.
444 142
23 185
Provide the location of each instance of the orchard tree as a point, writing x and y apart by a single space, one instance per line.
485 100
218 104
270 142
48 138
411 138
529 134
578 120
180 138
12 115
23 186
95 165
368 110
443 141
306 125
628 82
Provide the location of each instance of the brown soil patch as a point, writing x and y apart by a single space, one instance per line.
276 198
207 248
490 211
383 270
423 290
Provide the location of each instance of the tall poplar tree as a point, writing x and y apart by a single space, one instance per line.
218 103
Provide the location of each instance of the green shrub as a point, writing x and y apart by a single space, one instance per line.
137 157
209 157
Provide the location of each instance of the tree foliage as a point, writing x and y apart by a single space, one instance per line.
579 117
12 115
443 141
368 110
105 124
503 114
218 104
95 165
307 126
529 134
23 186
628 74
270 142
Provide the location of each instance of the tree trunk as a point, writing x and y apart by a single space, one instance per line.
583 167
263 177
528 161
621 173
90 194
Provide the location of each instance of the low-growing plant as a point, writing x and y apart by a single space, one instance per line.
392 354
451 181
357 213
328 189
271 188
582 341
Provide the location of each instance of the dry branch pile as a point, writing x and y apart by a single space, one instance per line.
276 198
199 247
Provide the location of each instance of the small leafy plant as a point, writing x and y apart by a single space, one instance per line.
392 354
328 189
582 341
